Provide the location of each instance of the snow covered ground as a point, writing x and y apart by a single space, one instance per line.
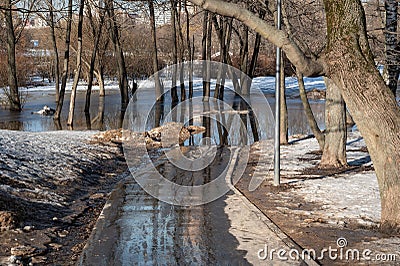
344 196
318 207
33 165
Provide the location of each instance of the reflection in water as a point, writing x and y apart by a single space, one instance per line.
154 232
109 106
12 125
106 112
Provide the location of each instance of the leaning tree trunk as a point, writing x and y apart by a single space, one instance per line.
391 47
334 152
309 114
70 120
13 97
350 65
64 77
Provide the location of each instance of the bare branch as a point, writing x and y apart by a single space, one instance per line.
307 65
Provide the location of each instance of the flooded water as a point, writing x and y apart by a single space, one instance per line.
27 121
35 100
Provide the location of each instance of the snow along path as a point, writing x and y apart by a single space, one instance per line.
345 195
52 187
342 196
32 165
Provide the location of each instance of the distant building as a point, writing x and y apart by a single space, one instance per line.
162 16
35 21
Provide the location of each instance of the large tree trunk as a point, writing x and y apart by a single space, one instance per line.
204 54
13 97
334 152
64 76
254 57
181 50
391 46
221 29
70 120
350 65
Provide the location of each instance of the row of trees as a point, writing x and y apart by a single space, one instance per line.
319 38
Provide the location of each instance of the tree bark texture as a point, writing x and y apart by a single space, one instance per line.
334 152
283 134
174 92
97 37
350 65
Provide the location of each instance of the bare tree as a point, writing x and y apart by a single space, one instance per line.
284 118
97 38
78 65
174 93
157 82
13 96
55 49
121 67
391 45
64 76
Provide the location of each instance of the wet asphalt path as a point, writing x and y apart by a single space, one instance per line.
137 229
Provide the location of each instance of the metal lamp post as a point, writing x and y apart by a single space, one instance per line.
277 166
